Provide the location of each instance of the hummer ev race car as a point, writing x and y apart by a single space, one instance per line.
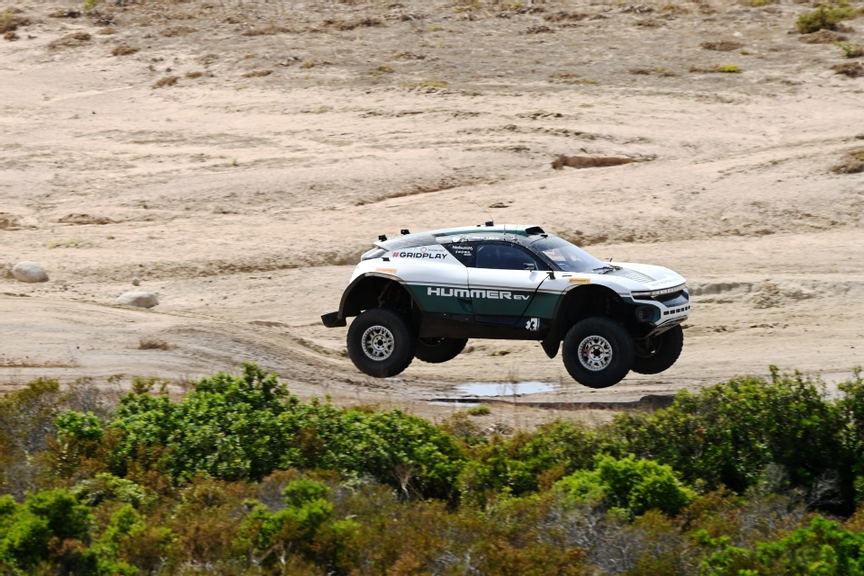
424 295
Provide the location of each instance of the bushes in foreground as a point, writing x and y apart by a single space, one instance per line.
241 477
243 428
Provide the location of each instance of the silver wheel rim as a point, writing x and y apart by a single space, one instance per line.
595 353
378 343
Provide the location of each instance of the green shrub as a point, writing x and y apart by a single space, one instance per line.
77 426
852 433
826 16
634 485
29 533
239 428
728 433
527 461
104 486
293 530
850 50
824 548
481 410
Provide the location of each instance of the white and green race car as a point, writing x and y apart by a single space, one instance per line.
424 295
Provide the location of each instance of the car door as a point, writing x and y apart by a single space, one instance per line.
503 281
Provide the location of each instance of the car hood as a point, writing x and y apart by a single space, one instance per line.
649 276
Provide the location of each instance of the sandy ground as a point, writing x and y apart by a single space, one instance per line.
293 134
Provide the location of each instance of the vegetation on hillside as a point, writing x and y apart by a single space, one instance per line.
241 477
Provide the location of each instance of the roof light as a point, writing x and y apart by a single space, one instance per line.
382 237
490 223
405 231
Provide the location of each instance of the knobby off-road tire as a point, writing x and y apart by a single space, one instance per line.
598 352
654 355
438 350
381 342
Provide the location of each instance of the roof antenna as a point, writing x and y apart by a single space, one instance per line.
489 222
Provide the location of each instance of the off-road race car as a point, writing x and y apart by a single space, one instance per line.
424 295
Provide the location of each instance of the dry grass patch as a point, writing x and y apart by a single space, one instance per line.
268 30
27 362
676 10
65 13
177 31
569 78
257 73
657 70
850 69
70 41
167 81
850 50
195 74
124 50
10 22
348 25
853 163
410 56
11 36
539 29
565 16
722 46
823 37
154 344
718 69
107 31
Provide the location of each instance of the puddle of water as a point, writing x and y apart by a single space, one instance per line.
504 388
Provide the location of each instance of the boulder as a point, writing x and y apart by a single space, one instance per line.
138 299
29 272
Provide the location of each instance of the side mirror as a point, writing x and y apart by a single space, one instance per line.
529 266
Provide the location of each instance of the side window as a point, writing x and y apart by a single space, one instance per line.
504 257
463 251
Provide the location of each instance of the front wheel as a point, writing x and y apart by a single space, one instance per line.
658 353
381 342
438 350
598 352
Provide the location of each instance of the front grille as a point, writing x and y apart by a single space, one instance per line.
668 297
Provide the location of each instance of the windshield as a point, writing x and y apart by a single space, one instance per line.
566 256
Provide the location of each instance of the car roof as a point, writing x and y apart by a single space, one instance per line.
488 231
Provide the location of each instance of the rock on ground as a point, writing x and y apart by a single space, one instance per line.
138 299
29 272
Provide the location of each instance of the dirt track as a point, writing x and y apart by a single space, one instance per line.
244 200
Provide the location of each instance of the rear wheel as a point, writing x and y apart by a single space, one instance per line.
438 350
658 353
380 342
598 352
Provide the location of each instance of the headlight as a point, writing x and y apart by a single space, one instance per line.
653 293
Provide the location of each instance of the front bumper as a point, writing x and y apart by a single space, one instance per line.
332 320
670 309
